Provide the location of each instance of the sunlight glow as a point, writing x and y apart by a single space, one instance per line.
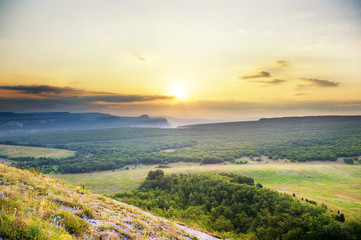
179 90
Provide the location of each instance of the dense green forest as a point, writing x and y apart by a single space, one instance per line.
234 207
297 139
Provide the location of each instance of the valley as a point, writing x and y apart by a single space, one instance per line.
303 170
335 184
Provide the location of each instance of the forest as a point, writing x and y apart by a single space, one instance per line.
234 207
296 139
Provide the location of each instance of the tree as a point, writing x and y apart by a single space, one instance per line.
157 174
223 225
342 218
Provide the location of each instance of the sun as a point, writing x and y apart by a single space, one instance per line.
180 91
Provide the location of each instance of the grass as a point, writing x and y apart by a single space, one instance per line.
35 206
28 205
36 152
335 184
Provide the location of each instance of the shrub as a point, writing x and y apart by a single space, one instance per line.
73 224
10 228
35 231
86 212
348 160
211 160
163 166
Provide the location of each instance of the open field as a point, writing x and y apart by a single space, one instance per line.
36 152
336 184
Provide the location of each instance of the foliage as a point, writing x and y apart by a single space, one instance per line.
297 139
163 166
86 211
235 208
348 160
340 218
211 160
73 224
155 175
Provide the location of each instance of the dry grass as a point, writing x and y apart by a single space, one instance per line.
35 206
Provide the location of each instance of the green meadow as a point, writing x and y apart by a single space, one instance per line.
36 152
335 184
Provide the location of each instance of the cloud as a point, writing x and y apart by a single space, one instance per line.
272 82
261 74
300 94
66 98
115 98
302 86
263 107
86 96
319 82
282 63
36 89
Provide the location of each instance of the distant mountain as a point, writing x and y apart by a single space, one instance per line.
281 120
313 119
39 121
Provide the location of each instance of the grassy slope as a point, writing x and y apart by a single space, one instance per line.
336 184
36 152
35 206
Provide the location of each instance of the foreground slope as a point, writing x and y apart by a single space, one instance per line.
35 206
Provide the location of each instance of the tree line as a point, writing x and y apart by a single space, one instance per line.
234 207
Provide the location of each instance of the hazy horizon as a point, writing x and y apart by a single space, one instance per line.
223 60
176 122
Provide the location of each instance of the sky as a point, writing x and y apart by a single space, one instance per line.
219 59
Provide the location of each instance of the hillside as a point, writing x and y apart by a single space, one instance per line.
35 206
20 122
